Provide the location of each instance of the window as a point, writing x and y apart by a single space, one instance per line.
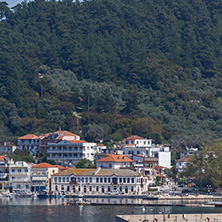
59 179
105 179
19 170
108 180
83 179
132 180
124 180
97 189
101 180
90 188
97 180
26 186
108 188
55 179
67 179
79 179
131 189
64 179
120 180
86 179
128 180
90 179
18 186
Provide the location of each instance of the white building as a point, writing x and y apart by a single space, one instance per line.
136 145
188 152
20 176
71 151
181 164
99 181
114 161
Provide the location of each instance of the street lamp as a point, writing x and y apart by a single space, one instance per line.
144 211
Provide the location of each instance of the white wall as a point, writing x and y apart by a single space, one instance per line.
165 159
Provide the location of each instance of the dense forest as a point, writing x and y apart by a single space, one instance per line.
106 69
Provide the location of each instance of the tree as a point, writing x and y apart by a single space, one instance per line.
84 163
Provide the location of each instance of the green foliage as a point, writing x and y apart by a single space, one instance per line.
19 155
113 62
84 163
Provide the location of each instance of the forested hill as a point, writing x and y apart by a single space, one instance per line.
152 68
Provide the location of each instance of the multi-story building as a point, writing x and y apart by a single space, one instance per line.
136 145
114 161
99 181
41 176
4 172
182 163
56 137
20 176
7 148
34 144
71 151
29 142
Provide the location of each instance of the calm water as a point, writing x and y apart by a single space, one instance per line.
35 210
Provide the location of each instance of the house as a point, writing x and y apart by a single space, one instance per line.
71 151
29 142
181 164
136 145
4 172
41 176
7 148
99 181
56 137
114 161
188 152
20 177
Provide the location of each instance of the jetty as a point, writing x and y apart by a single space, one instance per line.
169 218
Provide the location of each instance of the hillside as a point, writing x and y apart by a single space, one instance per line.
151 68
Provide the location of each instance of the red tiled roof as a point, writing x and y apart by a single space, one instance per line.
184 159
115 158
28 137
44 165
159 167
100 144
2 158
77 141
132 138
63 133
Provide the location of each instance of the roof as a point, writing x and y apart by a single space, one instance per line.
63 133
184 159
98 172
44 165
132 138
115 158
77 141
100 144
3 158
61 167
28 137
159 167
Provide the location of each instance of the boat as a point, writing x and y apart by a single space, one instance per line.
44 194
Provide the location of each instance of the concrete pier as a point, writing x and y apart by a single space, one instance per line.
170 218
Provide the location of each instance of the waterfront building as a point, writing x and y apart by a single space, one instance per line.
70 152
4 172
20 177
114 161
41 176
99 181
136 145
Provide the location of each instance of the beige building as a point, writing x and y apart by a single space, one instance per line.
41 176
99 182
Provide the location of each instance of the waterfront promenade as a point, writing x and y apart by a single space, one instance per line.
169 218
